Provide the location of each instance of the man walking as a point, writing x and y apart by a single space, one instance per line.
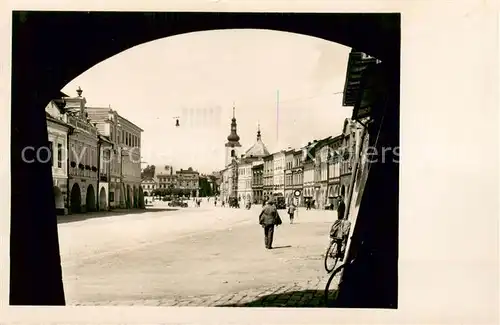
291 211
269 218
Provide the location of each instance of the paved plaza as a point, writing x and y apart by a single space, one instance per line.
203 256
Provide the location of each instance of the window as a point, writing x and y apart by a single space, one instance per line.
59 155
51 153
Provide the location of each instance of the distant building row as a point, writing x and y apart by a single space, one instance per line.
95 155
188 181
320 171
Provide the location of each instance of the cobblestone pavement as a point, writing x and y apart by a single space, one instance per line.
221 263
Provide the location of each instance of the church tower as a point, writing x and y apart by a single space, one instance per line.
233 145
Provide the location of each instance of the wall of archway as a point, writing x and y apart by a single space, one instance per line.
44 75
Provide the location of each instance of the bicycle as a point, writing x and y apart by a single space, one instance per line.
331 255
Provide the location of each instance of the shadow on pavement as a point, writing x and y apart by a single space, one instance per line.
300 299
107 214
286 246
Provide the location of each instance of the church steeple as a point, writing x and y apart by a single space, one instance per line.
233 136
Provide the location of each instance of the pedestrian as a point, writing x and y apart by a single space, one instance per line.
291 211
308 204
269 218
341 207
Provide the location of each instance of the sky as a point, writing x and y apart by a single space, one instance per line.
287 83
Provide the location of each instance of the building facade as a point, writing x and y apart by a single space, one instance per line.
348 153
288 189
188 181
322 159
279 173
58 131
130 158
258 181
225 187
298 175
106 121
268 176
245 181
334 170
105 149
83 156
148 185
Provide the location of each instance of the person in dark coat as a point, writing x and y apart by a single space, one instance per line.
341 208
269 218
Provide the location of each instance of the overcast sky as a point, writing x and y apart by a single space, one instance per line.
198 76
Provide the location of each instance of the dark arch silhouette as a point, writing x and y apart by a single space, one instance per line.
76 199
90 199
36 79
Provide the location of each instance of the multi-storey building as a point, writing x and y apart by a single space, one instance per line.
83 156
279 173
334 170
298 175
166 179
226 184
257 181
106 121
188 181
268 176
130 158
244 189
348 153
105 148
308 160
288 187
58 150
322 157
148 185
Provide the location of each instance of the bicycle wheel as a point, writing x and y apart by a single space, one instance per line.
330 296
331 258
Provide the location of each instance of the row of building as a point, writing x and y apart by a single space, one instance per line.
188 181
319 171
95 155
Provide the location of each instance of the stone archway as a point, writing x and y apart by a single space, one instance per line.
103 204
59 200
76 199
90 200
25 104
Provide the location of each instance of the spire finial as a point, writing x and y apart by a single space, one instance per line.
233 110
258 131
79 91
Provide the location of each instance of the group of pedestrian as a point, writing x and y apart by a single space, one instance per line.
310 204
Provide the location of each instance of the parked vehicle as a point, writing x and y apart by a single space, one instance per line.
177 203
